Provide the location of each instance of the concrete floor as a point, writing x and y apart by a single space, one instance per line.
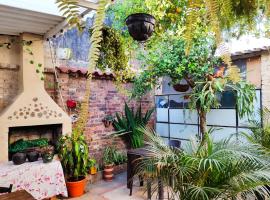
113 190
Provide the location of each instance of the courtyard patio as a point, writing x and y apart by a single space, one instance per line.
134 100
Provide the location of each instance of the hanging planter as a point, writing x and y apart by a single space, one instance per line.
140 26
181 87
108 121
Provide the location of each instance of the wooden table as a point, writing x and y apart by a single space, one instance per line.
18 195
134 156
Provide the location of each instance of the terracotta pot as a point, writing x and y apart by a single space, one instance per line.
181 87
108 172
76 188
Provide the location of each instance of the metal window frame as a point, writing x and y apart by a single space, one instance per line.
237 126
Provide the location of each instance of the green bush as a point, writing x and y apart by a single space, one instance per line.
129 124
22 145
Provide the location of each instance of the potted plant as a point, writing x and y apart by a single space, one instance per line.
108 121
74 156
47 154
92 168
136 16
108 162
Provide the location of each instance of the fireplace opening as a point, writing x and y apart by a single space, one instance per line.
50 132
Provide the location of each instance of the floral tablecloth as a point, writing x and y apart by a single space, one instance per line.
39 179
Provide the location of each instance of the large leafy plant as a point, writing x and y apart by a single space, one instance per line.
74 155
205 171
128 125
168 58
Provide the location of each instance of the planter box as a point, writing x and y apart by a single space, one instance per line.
99 175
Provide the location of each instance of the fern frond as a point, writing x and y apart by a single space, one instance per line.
94 53
70 10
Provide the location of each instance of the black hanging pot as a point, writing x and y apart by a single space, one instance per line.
32 156
140 26
181 87
19 158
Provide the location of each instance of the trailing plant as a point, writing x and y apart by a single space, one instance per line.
74 156
259 129
22 145
127 125
168 58
113 55
26 45
205 171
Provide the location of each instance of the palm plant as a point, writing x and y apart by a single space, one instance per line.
204 171
128 125
260 129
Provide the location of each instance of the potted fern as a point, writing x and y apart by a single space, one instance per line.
74 156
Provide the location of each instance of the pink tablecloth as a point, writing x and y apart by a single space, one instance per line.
39 179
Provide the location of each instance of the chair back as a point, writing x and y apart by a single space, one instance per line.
6 189
175 143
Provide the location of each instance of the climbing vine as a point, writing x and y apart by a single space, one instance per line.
27 48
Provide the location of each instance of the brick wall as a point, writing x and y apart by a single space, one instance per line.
105 99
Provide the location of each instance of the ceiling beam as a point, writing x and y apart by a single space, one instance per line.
88 4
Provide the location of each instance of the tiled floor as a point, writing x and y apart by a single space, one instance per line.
115 190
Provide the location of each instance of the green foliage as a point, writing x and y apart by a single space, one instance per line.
222 170
74 155
113 55
94 55
108 156
70 10
111 156
22 145
260 130
168 58
128 125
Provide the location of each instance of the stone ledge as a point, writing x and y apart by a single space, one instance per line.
9 66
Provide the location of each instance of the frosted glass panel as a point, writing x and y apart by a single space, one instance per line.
241 138
222 117
183 116
222 133
162 129
257 107
162 114
183 131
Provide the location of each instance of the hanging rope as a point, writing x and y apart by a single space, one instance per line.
53 58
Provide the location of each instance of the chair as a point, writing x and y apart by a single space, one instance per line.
174 143
6 189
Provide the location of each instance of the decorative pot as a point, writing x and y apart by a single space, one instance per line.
108 123
32 156
47 157
181 87
108 172
140 26
76 187
19 158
